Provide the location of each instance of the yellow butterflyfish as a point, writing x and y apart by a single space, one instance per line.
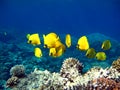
58 50
50 39
38 52
52 52
83 43
55 52
91 53
101 56
34 39
68 40
106 45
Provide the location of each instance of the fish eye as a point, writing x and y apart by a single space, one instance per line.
87 54
51 54
30 41
77 45
96 57
45 46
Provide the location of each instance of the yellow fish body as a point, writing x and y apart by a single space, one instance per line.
68 40
38 52
58 51
83 43
52 52
50 39
34 39
91 53
55 52
106 45
101 56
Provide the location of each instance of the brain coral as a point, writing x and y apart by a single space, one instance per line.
18 71
116 64
71 68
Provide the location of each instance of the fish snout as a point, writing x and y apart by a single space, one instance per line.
77 46
51 54
45 46
30 41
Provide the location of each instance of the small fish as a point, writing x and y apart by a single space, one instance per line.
38 52
106 45
50 39
57 52
90 53
34 39
52 52
5 33
101 56
83 43
68 40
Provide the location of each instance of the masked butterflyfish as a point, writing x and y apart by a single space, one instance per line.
90 53
106 45
83 43
58 51
34 39
52 52
68 40
101 56
50 39
38 52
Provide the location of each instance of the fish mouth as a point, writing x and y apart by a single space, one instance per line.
30 41
77 46
51 54
45 46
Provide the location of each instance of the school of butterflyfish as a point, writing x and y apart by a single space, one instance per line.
57 48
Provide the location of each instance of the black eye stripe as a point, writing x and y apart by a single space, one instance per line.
30 41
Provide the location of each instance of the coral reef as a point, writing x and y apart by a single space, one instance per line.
17 51
11 82
116 64
69 78
103 84
18 71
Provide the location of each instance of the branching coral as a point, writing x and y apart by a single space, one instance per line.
116 64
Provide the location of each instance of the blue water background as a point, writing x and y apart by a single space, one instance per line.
77 17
